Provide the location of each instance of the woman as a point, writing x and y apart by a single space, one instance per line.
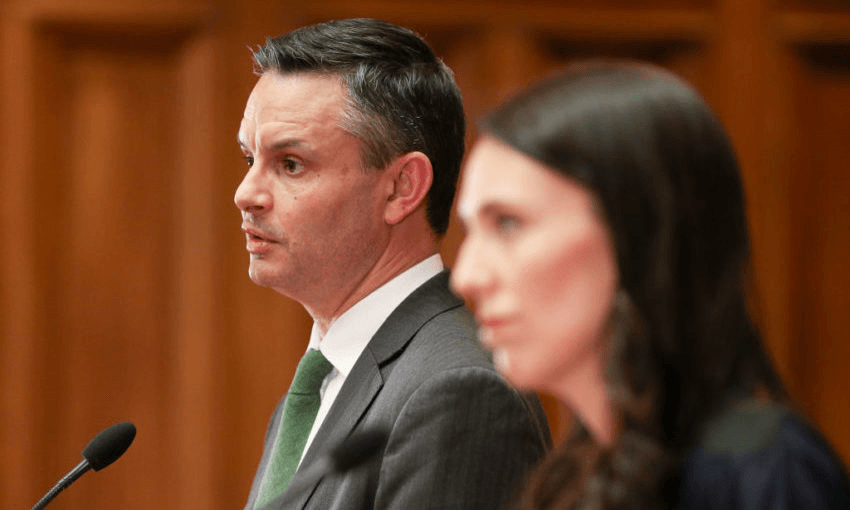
607 256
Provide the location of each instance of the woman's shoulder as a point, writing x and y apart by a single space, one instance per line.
760 456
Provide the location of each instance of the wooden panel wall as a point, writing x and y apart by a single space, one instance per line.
108 249
123 285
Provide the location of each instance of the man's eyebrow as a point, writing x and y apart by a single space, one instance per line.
276 146
285 144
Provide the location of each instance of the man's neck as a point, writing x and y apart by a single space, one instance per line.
385 271
410 242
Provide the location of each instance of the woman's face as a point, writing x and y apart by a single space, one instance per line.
539 264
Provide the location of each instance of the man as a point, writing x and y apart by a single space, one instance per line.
354 137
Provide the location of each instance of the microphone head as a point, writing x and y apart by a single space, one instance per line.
358 448
110 444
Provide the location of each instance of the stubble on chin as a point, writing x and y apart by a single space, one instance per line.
257 273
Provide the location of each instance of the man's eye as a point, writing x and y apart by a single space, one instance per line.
291 166
249 160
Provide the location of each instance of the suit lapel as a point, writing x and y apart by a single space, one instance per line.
350 405
365 380
430 299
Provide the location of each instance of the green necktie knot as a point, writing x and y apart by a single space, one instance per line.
310 373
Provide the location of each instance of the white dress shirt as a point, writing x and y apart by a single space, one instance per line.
349 334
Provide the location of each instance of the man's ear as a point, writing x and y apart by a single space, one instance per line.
411 176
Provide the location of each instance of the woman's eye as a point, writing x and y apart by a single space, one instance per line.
507 224
249 160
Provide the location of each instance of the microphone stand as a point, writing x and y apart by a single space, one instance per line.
67 480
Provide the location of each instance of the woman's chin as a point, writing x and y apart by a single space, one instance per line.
513 373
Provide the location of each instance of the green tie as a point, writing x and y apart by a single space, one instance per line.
299 413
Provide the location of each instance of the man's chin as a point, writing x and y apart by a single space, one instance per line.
260 275
271 276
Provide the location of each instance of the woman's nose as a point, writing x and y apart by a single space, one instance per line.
469 274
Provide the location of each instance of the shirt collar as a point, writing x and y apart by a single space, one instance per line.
349 333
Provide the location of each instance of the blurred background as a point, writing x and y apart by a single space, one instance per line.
123 275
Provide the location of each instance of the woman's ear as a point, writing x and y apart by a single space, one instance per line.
411 176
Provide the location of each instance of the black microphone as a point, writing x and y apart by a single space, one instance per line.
101 451
349 454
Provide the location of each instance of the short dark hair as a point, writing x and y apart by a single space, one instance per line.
402 98
667 184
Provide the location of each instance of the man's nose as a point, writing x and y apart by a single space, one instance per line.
252 194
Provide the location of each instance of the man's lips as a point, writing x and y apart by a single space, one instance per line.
253 233
256 240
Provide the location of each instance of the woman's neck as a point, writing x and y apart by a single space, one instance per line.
586 394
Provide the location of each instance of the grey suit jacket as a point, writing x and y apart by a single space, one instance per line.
459 436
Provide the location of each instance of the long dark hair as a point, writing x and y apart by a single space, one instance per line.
683 345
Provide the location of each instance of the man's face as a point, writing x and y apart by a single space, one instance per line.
312 216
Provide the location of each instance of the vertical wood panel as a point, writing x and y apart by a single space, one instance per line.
742 96
18 345
113 202
822 237
195 241
116 297
115 289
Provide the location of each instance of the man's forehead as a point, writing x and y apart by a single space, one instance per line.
296 90
301 99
